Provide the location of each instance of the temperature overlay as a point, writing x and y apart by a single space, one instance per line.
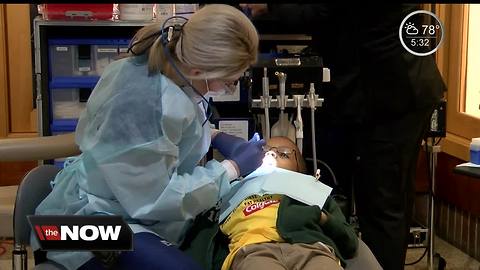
421 32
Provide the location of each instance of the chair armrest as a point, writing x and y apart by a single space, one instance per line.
38 148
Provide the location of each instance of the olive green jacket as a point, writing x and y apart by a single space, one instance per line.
296 223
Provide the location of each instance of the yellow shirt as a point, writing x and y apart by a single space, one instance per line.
253 221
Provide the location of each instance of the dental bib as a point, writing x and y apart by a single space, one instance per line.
273 180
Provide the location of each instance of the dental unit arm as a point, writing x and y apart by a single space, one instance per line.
310 100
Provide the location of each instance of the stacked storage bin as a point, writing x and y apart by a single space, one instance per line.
76 11
75 67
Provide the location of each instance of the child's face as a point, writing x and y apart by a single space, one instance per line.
284 152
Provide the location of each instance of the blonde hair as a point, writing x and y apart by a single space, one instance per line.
218 40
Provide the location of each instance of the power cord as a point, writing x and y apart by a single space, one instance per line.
430 191
334 179
419 259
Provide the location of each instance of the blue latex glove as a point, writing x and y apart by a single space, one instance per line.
247 155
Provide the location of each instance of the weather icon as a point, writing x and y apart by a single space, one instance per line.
411 29
421 33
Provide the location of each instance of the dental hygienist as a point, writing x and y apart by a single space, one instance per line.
144 130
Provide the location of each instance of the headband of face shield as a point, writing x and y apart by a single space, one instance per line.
166 34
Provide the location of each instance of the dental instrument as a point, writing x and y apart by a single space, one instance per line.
266 102
299 122
283 127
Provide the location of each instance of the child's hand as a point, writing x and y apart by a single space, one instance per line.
323 218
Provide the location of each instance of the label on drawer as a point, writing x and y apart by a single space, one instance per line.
61 49
107 50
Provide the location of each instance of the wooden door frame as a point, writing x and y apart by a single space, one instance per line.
4 125
23 120
451 57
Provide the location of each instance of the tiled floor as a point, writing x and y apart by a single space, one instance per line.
456 260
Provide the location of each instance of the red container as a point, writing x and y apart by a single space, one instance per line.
77 11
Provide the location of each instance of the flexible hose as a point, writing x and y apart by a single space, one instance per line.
267 123
314 145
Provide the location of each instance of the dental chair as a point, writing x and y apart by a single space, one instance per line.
35 186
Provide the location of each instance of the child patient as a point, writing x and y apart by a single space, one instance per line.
274 231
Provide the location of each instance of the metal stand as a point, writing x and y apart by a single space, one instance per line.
434 260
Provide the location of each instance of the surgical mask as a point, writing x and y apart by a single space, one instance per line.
213 94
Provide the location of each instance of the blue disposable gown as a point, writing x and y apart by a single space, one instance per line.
141 139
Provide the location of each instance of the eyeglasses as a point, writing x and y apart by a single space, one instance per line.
282 151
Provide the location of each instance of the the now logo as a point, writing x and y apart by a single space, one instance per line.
86 232
82 232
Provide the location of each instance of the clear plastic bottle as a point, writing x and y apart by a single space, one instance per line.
475 151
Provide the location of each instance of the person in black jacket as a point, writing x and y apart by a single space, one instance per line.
376 111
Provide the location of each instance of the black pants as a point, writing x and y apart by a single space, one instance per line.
381 161
149 252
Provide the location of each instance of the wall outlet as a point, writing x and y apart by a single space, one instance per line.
417 237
